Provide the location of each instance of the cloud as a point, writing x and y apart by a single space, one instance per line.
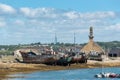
39 24
98 15
66 14
71 20
38 12
2 24
115 27
6 9
19 22
72 15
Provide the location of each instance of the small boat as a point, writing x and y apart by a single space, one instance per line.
107 75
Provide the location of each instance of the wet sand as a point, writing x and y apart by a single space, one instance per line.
12 68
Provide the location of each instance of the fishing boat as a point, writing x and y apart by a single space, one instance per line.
107 75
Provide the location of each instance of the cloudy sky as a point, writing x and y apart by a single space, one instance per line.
29 21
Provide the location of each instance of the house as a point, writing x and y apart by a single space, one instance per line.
114 52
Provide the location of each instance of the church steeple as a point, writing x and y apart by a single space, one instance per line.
91 33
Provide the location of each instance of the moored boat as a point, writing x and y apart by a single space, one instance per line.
107 75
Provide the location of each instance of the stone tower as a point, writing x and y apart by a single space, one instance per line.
91 46
91 33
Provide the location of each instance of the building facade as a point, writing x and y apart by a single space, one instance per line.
114 52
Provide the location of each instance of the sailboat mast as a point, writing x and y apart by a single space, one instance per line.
74 39
74 42
55 39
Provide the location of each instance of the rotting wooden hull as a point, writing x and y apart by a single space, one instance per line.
78 60
38 59
30 57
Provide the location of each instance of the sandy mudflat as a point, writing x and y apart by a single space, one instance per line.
11 68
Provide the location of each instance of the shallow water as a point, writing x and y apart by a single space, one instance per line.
76 74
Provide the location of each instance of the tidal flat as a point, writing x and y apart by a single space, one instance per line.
12 68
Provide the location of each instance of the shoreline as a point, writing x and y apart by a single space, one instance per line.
12 68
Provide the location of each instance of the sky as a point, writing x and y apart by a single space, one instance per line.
29 21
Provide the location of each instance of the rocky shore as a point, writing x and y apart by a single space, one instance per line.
12 68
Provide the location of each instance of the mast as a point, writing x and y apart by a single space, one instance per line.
74 42
55 42
74 39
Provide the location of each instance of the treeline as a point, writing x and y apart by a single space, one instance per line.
105 45
8 49
109 45
52 44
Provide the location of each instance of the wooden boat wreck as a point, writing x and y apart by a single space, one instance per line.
50 59
79 58
31 57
